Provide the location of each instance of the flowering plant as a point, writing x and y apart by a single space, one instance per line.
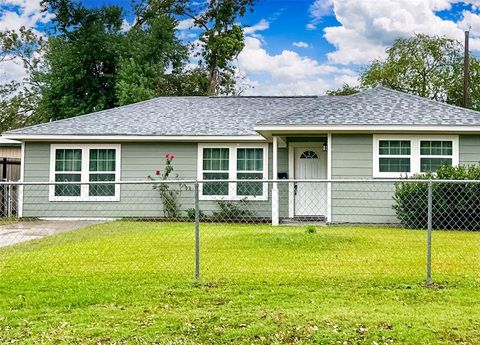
169 197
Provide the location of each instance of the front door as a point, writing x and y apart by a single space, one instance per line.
310 198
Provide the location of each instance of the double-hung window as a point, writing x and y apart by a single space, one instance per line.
394 156
85 164
233 162
401 155
434 154
68 168
250 167
216 162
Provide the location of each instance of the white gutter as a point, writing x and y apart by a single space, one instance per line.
136 138
366 128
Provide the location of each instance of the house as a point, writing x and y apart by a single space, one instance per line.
376 134
10 153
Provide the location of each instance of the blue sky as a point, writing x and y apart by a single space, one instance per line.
305 46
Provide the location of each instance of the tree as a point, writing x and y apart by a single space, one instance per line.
455 89
421 65
221 38
345 90
93 63
145 56
80 60
19 98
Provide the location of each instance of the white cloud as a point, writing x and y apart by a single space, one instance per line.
185 24
287 73
125 25
281 88
13 15
12 70
262 25
319 9
368 27
300 44
17 13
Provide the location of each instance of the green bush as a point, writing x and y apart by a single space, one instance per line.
191 214
233 211
311 229
454 205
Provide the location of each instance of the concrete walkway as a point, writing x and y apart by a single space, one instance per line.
30 230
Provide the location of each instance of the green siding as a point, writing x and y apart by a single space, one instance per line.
352 158
138 160
372 203
469 149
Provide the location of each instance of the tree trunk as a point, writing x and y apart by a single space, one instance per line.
213 82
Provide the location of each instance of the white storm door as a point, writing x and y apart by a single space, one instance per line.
310 198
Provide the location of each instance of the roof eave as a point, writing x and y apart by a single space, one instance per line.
267 131
127 138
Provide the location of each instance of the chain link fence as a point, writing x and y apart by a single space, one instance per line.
222 230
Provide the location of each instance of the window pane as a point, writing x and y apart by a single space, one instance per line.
250 188
432 164
215 188
216 159
394 147
67 190
394 165
436 148
249 159
102 160
68 160
101 189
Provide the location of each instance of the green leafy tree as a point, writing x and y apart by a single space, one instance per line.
430 67
345 90
455 89
426 66
221 38
188 82
136 81
92 63
19 98
147 53
80 60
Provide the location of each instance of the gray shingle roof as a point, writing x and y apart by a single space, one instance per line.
176 116
378 106
204 116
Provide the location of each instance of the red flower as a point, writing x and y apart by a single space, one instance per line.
167 155
157 172
172 156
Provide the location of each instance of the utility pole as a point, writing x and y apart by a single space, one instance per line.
466 73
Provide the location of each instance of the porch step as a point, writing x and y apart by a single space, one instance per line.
304 220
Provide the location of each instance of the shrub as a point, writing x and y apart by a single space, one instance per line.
233 211
168 196
191 214
311 229
454 205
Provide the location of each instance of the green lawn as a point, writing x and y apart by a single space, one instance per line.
132 282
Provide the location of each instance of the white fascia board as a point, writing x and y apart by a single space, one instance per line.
116 138
363 128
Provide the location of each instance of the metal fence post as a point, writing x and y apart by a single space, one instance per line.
429 235
197 231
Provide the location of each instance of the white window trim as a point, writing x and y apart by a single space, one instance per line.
232 170
85 172
414 152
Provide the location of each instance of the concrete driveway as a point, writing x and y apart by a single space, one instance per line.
30 230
